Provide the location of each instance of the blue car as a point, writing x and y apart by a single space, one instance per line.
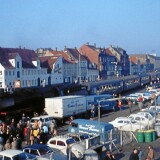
41 150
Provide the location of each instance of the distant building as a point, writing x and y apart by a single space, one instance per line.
123 64
145 63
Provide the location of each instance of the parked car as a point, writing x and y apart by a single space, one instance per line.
45 119
127 124
142 120
13 154
145 95
148 114
62 142
155 91
43 151
132 97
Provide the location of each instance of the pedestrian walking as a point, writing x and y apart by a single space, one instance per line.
150 152
134 155
130 105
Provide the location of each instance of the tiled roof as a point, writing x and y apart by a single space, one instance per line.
109 52
48 61
26 55
61 53
90 52
133 59
74 53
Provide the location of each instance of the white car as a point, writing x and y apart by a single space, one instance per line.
45 119
13 154
127 124
142 120
155 91
145 95
148 114
61 143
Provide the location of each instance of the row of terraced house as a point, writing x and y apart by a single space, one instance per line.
21 68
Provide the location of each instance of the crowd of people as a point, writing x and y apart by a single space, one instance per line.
13 133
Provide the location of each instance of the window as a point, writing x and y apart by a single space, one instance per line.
17 64
60 143
34 152
53 142
137 118
7 158
120 121
26 150
18 74
0 72
13 72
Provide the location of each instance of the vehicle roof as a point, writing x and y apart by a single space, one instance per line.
123 118
44 116
137 115
66 97
93 122
61 137
35 146
11 152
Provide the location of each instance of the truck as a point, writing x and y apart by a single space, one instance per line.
65 106
102 100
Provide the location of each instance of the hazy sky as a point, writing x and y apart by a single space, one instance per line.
133 25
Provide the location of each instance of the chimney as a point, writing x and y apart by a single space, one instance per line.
56 48
87 43
95 45
75 48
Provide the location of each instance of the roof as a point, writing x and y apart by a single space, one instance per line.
48 61
91 122
11 152
26 55
36 146
74 53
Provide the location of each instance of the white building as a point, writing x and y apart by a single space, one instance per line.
20 68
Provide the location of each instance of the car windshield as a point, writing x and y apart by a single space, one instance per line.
21 156
70 141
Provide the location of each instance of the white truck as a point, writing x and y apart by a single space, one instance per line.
65 106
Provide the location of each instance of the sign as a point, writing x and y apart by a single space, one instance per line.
17 84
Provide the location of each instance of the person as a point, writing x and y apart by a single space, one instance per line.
70 120
109 156
134 155
130 105
92 111
140 102
150 152
140 153
120 105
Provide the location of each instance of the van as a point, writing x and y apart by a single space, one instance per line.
45 119
91 127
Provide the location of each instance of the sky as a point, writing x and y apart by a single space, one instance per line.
133 25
